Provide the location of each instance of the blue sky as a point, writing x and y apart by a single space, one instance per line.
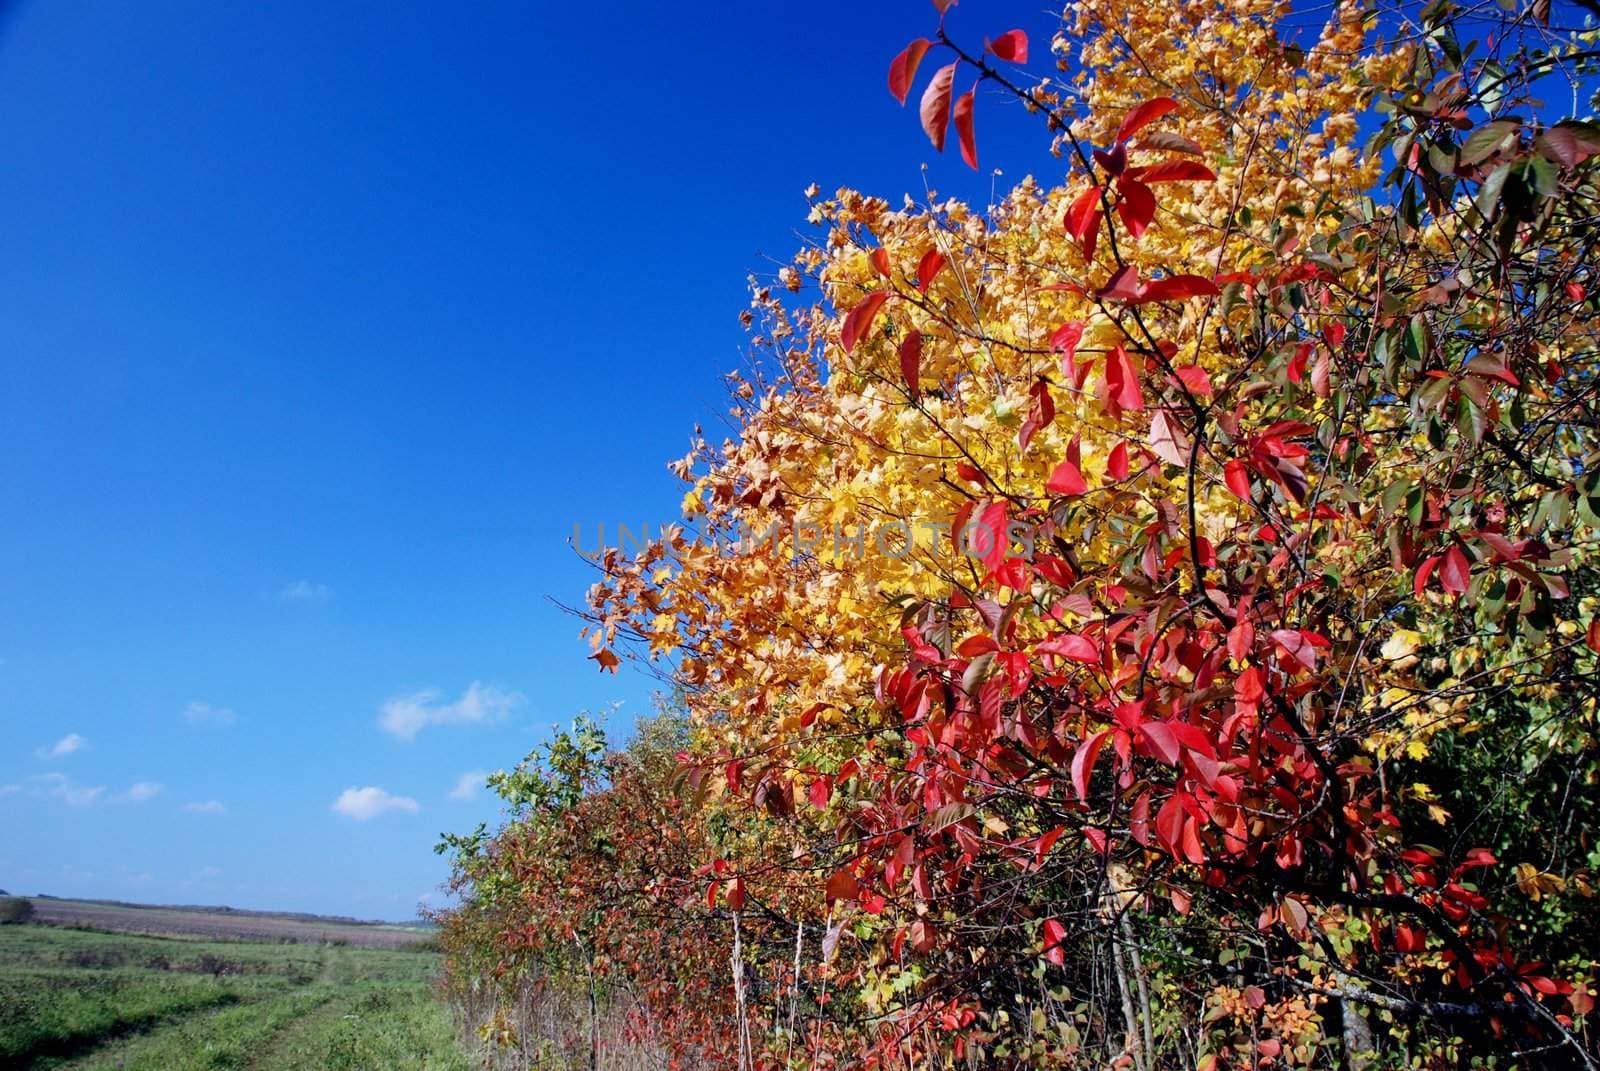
321 324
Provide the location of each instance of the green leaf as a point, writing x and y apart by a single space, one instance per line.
1488 139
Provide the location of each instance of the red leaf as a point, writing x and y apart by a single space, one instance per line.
944 5
859 322
1249 688
1117 463
1083 762
1237 477
1424 571
1195 380
736 894
1124 285
1177 288
1011 46
1072 647
1122 379
964 135
1297 363
821 791
1136 206
903 68
1144 115
1592 635
911 360
1065 341
1170 142
1455 572
1083 220
936 105
711 896
1040 414
1174 171
1054 934
842 886
928 267
1169 824
1163 742
880 261
973 646
1066 480
1168 441
988 535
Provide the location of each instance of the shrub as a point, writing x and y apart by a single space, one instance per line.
15 909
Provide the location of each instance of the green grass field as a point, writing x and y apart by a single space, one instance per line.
80 1000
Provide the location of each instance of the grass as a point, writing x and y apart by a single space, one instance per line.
78 1000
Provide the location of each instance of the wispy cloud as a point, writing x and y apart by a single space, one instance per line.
304 591
61 787
208 716
63 747
407 715
364 803
205 807
57 786
467 785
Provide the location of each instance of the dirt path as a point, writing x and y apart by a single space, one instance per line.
279 1051
94 1052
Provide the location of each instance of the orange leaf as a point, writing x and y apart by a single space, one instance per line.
842 886
911 360
936 105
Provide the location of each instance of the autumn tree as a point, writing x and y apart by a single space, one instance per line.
1152 620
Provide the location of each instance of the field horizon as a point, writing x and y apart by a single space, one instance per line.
44 898
95 984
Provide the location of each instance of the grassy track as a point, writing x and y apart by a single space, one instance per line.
76 1000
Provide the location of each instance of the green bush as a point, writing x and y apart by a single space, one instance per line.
15 909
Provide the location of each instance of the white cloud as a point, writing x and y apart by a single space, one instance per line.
206 807
204 714
63 747
467 785
407 715
140 791
364 803
305 591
